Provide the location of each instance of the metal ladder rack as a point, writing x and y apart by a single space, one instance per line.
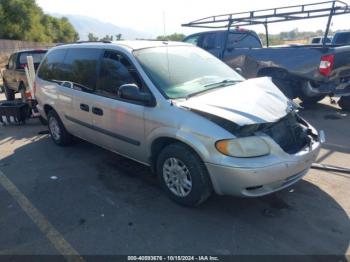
275 15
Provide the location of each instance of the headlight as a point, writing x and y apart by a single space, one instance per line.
243 147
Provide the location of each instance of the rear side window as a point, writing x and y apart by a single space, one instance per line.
209 42
316 40
37 57
80 67
51 66
242 40
342 39
192 39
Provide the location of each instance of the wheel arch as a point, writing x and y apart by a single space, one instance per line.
48 108
161 142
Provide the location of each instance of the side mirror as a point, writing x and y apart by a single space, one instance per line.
132 92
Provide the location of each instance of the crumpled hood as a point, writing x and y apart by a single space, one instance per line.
253 101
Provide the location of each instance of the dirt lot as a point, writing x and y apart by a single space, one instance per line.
83 199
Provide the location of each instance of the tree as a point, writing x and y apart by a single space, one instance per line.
107 38
92 37
172 37
118 37
25 20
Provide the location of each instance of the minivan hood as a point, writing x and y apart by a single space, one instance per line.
253 101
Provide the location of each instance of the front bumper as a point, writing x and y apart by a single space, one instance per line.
264 179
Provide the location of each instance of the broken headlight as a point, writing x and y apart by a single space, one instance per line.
243 147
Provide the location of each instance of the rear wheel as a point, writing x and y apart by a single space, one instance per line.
22 91
9 93
285 86
344 103
183 175
58 132
307 99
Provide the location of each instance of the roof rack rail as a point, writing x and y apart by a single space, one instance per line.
83 42
275 15
99 41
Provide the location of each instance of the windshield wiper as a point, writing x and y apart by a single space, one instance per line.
223 83
215 85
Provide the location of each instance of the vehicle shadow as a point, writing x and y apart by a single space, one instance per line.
106 204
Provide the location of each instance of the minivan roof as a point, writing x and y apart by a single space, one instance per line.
130 44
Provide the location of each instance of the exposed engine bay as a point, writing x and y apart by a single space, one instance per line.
291 132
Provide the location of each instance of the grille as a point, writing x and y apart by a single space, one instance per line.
288 133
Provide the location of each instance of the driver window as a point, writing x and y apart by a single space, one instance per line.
11 62
115 71
208 41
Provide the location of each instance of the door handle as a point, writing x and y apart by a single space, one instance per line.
84 107
97 111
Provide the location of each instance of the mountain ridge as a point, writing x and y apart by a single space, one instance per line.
85 25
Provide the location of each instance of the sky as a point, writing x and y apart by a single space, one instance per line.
151 15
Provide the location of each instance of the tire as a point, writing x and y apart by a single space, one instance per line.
22 91
177 160
344 103
308 100
58 132
9 93
285 86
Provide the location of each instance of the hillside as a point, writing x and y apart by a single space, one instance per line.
85 25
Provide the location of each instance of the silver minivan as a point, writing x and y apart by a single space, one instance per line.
198 124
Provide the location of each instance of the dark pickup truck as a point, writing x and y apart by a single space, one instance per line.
309 72
14 77
306 71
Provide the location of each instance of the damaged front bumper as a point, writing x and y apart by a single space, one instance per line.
294 147
255 177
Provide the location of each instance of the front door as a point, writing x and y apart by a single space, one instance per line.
119 124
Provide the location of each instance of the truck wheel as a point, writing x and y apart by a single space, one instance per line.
285 86
183 175
344 103
9 93
23 95
306 99
58 132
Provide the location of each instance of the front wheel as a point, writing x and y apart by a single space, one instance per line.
183 175
58 132
344 103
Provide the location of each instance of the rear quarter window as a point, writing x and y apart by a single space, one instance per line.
37 57
342 39
51 66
